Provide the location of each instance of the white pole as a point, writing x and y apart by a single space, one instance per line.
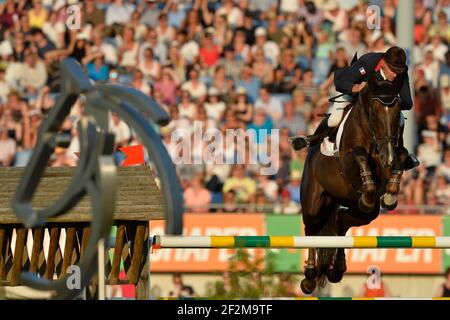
405 38
101 270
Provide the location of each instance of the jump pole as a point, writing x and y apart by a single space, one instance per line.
299 242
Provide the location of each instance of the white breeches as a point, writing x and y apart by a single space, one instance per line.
337 110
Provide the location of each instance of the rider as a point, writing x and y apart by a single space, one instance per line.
351 80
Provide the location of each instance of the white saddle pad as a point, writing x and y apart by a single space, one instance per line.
331 149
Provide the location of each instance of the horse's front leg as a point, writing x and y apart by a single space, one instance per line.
366 202
389 199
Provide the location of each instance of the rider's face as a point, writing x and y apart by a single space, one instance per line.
390 75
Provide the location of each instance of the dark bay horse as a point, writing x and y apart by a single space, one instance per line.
338 193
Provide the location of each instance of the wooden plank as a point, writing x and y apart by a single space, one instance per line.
53 248
137 246
3 249
21 237
68 249
119 245
38 238
142 287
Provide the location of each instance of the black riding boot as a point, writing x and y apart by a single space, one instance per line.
411 161
321 132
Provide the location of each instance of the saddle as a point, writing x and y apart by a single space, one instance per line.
330 145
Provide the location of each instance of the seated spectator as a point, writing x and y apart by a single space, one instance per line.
149 66
271 105
261 125
229 203
168 86
243 186
294 186
242 108
196 88
209 52
30 75
250 83
37 15
140 83
119 12
196 197
128 51
7 149
262 204
92 14
180 289
292 120
186 107
444 288
429 152
214 106
287 205
97 69
120 129
262 68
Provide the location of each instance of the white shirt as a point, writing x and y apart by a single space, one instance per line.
196 92
121 131
215 110
190 50
272 107
119 14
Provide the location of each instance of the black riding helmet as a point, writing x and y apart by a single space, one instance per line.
395 57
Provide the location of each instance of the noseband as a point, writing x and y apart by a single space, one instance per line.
386 101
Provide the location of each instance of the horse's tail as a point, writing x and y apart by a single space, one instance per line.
325 255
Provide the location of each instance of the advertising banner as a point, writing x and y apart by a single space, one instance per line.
284 260
206 260
412 261
446 252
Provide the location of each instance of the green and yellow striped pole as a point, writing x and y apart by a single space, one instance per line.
299 242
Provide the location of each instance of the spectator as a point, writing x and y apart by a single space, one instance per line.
7 149
180 289
381 291
120 130
444 288
97 69
250 83
269 104
287 205
429 152
196 88
149 66
119 12
293 186
37 15
244 187
196 197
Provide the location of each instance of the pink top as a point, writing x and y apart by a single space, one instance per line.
196 198
168 90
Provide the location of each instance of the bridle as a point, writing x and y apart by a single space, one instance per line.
386 101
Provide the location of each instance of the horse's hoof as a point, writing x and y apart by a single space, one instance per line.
388 201
364 207
310 273
334 275
308 286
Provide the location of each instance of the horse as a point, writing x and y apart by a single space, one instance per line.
347 190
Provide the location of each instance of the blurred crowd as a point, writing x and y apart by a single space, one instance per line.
260 64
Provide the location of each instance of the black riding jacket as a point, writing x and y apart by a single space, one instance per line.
358 72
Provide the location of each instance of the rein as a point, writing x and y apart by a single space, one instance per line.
375 140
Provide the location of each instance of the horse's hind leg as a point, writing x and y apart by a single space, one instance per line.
335 274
